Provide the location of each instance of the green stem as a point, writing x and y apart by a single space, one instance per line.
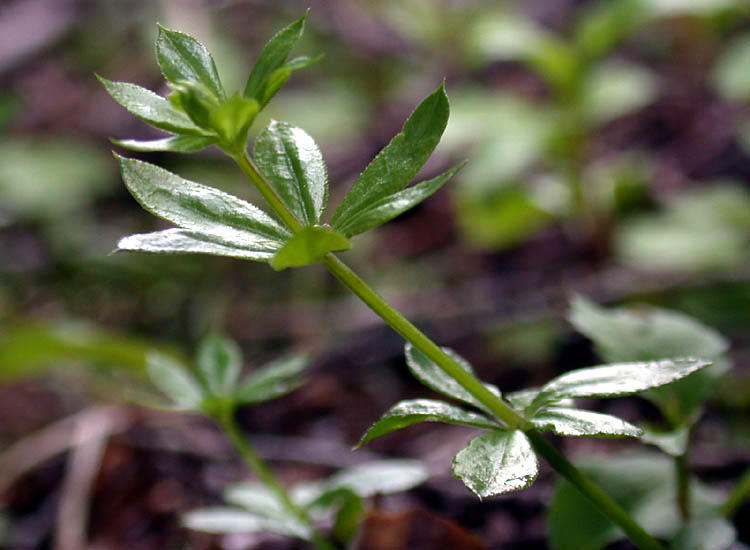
739 494
683 486
267 477
423 343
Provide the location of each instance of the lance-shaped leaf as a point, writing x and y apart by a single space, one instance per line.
308 246
272 57
578 423
282 74
184 241
380 477
173 380
436 379
618 379
182 57
293 165
199 208
413 411
219 361
397 164
274 380
172 144
521 400
496 463
393 205
224 520
151 108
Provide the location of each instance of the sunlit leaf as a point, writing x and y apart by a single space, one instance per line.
615 89
436 379
182 57
294 166
407 413
273 380
173 380
222 520
219 361
308 246
397 164
496 463
380 477
577 423
173 144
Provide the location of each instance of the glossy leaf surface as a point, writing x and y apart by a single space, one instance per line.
577 423
219 362
293 165
272 57
172 144
496 463
184 241
436 379
617 379
308 246
151 108
407 413
173 380
393 205
197 207
182 57
273 380
397 164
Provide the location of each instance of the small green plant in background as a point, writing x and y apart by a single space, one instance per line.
287 169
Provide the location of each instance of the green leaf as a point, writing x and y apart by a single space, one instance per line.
397 164
173 380
182 57
618 379
183 241
232 120
173 144
349 515
705 534
219 361
272 57
293 165
151 108
308 246
615 89
273 380
645 333
643 484
380 477
199 208
674 442
603 24
222 520
281 75
522 399
393 205
407 413
432 376
195 100
730 75
496 463
577 423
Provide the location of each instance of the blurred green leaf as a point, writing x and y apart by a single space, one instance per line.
432 376
643 484
501 36
393 205
617 379
674 442
223 520
182 58
380 477
173 144
219 361
273 380
151 108
413 411
397 164
49 178
349 515
613 89
272 58
309 245
705 534
496 463
294 166
175 381
731 75
601 25
578 423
